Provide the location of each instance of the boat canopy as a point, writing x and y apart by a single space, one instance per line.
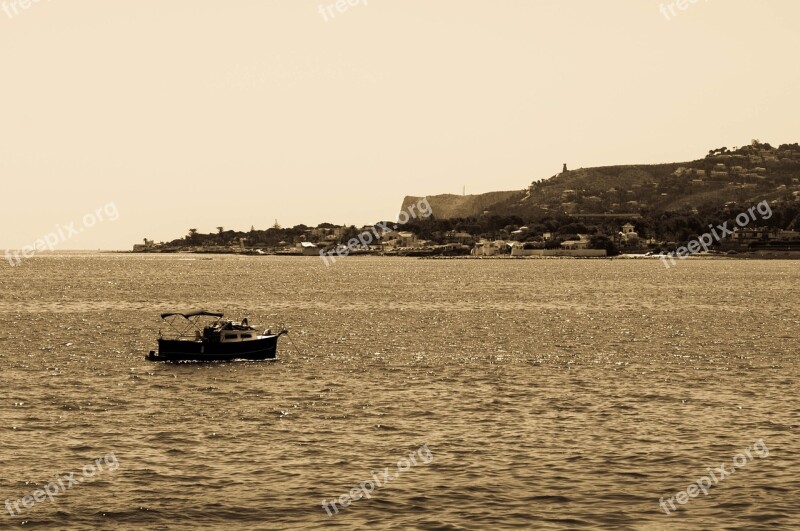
195 313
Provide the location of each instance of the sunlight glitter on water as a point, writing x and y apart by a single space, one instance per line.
553 393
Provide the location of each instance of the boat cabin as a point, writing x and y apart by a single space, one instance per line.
230 332
228 337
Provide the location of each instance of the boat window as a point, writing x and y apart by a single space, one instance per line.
230 336
247 336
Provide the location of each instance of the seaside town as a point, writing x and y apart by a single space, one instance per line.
523 241
585 213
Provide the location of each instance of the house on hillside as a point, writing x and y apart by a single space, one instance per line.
742 237
593 200
629 237
400 239
462 237
570 207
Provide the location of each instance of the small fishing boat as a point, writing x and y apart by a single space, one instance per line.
219 340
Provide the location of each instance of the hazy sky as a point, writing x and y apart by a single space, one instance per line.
193 114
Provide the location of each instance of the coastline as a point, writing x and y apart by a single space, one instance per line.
757 255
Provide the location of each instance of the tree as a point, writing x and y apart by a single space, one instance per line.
348 234
599 241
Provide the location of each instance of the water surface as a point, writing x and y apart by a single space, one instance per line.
551 393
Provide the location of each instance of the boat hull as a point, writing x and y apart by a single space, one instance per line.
263 348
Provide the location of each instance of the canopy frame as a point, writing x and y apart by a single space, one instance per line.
191 319
195 313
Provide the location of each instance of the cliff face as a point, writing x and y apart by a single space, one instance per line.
460 206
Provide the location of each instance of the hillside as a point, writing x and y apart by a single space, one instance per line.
723 177
458 206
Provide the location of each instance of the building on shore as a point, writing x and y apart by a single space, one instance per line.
519 250
148 245
581 243
490 248
308 248
400 239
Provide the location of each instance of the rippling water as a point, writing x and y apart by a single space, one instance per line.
550 393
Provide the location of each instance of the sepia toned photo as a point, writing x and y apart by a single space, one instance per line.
400 264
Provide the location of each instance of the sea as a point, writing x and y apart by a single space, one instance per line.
409 394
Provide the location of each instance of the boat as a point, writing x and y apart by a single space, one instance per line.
197 339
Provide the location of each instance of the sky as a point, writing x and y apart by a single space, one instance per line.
197 114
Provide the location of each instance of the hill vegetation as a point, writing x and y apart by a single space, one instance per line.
742 175
668 202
